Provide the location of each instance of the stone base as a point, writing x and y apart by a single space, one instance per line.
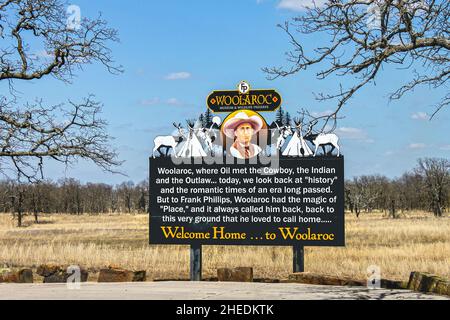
16 276
114 274
426 282
242 274
311 278
58 274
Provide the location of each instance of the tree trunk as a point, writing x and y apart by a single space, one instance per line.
19 209
128 201
393 209
19 219
437 210
35 209
13 207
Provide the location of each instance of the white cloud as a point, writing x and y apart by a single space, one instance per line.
178 76
150 102
158 101
300 5
354 134
351 133
417 146
445 147
420 116
174 102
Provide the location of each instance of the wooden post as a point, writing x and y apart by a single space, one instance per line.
196 262
299 259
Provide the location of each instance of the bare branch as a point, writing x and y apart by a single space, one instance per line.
30 134
365 35
29 137
24 23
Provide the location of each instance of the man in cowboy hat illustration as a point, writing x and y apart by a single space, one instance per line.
242 129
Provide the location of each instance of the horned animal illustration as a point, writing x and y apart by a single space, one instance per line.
285 132
324 139
169 142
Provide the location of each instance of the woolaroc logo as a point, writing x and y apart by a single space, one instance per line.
244 98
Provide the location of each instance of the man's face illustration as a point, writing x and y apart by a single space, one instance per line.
244 134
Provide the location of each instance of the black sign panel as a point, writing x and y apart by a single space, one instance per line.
255 100
296 202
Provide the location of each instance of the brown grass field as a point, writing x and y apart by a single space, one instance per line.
416 242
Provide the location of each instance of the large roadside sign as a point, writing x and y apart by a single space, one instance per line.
298 202
238 180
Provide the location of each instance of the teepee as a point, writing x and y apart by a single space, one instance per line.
192 147
297 146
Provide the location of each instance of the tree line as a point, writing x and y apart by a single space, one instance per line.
70 196
426 187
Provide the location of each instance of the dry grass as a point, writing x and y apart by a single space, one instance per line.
415 242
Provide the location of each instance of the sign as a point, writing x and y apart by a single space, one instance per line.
262 100
240 179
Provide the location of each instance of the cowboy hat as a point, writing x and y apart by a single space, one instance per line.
241 118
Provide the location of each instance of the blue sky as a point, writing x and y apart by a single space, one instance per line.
176 52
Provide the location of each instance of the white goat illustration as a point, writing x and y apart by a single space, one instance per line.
323 139
169 142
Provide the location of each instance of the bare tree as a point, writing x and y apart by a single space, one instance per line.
436 173
355 195
33 132
126 192
67 48
411 187
143 198
364 193
360 37
35 204
16 195
27 137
